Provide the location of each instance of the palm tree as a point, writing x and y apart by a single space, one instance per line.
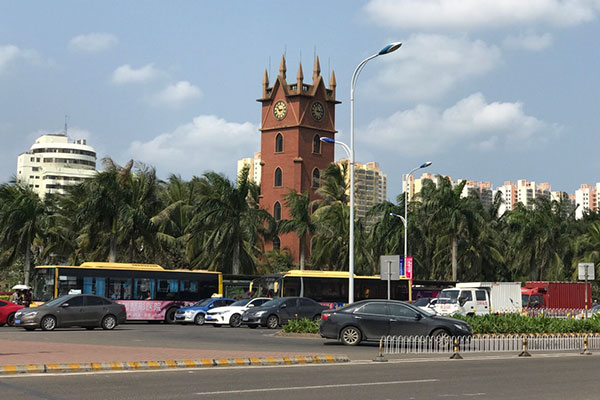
23 217
227 229
301 223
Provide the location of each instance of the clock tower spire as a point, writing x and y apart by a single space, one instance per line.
294 117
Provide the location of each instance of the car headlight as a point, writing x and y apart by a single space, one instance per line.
18 314
217 313
259 313
30 314
461 327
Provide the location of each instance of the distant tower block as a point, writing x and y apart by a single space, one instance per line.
294 118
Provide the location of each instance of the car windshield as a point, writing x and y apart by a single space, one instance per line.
202 303
54 302
422 302
273 303
448 297
241 303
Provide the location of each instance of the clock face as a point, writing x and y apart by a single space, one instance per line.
280 110
317 111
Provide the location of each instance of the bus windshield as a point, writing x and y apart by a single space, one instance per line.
43 284
266 286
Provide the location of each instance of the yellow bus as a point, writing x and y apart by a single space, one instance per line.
328 287
148 291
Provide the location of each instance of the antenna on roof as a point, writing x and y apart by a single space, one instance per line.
66 119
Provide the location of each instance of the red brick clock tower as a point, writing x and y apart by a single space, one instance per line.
294 118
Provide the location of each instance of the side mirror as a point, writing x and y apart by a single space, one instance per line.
250 305
283 306
418 317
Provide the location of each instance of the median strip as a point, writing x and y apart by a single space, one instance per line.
168 364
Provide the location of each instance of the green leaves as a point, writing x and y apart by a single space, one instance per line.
303 325
516 323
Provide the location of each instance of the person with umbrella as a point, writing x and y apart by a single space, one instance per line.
17 296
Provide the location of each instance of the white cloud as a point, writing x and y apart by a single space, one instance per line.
177 94
528 42
428 66
472 123
476 14
93 42
11 54
207 143
125 74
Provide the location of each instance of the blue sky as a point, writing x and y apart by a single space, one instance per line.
487 90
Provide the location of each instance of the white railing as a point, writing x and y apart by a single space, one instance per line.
488 343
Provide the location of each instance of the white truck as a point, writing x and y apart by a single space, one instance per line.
478 298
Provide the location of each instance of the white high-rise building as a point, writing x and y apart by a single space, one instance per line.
255 167
53 163
587 199
370 186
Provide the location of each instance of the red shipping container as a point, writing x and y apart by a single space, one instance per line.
562 294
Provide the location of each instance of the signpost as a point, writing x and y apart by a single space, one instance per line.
586 271
390 270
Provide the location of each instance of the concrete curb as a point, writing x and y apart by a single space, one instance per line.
169 364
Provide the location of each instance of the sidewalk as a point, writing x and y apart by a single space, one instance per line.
22 352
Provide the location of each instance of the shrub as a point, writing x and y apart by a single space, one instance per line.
516 323
303 325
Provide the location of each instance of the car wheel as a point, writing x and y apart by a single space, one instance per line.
253 326
170 315
199 319
48 323
272 322
316 318
442 337
350 336
10 320
235 320
109 322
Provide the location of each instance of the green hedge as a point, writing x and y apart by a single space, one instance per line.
516 323
493 323
303 325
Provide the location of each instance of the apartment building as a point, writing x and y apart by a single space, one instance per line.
255 167
587 199
53 163
370 187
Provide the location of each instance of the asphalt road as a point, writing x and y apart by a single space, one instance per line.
503 377
204 337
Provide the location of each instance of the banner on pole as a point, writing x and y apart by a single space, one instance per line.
409 267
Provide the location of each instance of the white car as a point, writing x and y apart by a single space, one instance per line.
232 315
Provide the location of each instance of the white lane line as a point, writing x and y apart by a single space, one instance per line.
315 387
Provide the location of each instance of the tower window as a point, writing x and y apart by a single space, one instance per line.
315 178
316 144
276 243
278 177
277 211
279 143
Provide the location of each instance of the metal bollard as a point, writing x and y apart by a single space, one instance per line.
456 356
524 353
585 351
380 357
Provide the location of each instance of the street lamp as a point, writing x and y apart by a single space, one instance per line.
386 50
424 165
330 140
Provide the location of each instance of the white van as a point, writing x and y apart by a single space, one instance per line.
478 298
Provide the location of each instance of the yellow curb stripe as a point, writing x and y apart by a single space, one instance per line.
222 361
207 363
34 368
153 364
286 360
189 363
52 366
10 369
74 367
96 366
171 363
134 365
330 358
115 366
255 361
301 360
270 360
239 361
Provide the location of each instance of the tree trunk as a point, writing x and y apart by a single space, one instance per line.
532 268
454 258
112 251
235 267
27 266
302 254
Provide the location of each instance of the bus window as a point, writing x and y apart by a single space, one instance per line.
66 283
188 290
143 289
120 289
167 289
95 286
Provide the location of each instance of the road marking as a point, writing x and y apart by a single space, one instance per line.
315 387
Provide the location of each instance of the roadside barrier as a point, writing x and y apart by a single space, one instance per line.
170 364
564 313
488 343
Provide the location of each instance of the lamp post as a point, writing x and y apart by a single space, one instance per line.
386 50
424 165
330 140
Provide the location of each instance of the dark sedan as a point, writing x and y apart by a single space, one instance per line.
277 312
369 320
84 310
